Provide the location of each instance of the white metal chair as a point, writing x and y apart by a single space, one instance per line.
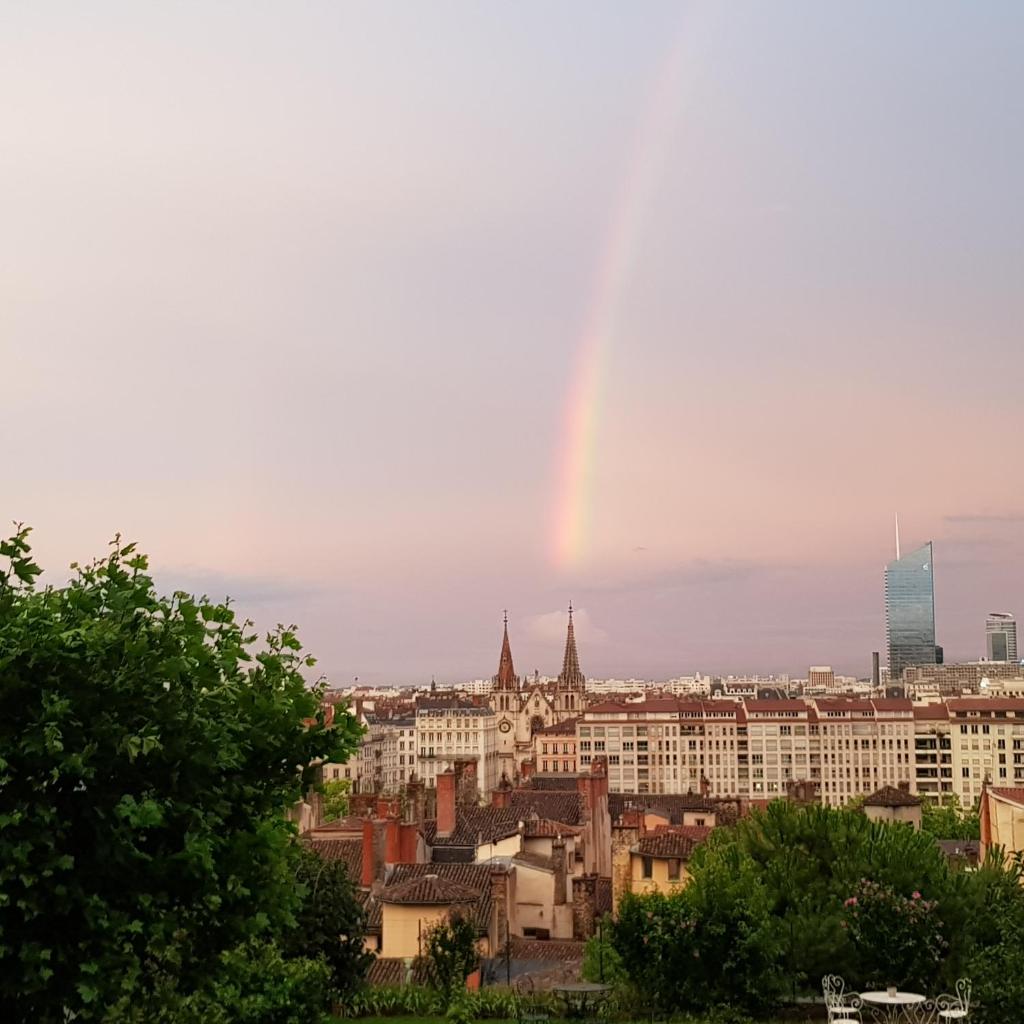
842 1008
955 1007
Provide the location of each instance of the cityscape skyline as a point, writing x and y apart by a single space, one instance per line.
382 318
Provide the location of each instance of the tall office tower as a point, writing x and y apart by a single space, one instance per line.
910 611
1001 637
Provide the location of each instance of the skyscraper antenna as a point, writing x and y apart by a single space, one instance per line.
897 536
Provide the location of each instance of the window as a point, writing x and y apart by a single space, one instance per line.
648 867
673 869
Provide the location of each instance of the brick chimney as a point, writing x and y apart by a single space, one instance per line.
558 865
904 785
368 873
447 785
393 841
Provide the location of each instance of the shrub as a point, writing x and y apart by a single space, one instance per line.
450 955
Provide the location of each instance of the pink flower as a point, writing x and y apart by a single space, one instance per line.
915 895
851 902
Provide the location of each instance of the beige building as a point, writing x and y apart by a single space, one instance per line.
412 908
450 730
895 806
1002 820
657 862
554 747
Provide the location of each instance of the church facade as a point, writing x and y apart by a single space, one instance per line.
524 708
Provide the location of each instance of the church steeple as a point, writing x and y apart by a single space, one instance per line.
571 678
506 679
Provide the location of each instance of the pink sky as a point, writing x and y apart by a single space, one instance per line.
297 298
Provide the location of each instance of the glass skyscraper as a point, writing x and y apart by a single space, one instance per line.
910 611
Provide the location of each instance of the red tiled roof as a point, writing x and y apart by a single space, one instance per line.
428 890
545 828
534 860
843 704
349 851
673 804
698 833
537 949
891 796
564 728
559 805
768 706
989 704
1015 794
931 713
475 825
563 781
893 704
667 844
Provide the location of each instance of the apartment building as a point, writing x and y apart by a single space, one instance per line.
454 729
554 747
387 753
830 748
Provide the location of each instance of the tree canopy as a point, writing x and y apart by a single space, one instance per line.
149 749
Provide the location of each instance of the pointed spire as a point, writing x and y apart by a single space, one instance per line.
571 677
506 679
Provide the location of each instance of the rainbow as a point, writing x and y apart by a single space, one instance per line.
591 360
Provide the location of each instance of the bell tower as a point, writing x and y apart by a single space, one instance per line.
569 689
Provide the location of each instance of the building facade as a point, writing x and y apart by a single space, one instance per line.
910 610
451 730
1001 637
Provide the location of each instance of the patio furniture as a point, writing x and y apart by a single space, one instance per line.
955 1007
842 1007
577 996
530 1011
895 1007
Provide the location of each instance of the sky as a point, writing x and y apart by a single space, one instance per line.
385 317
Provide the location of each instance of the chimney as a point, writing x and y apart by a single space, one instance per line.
904 786
368 874
558 864
500 903
499 797
392 841
447 783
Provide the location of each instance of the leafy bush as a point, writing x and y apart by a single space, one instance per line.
898 939
601 961
330 922
149 748
450 955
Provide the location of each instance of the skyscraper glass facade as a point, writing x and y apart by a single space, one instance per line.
910 610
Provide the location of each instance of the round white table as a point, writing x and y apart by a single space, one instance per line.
896 1007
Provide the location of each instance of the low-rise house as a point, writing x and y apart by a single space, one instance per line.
657 862
1002 820
894 804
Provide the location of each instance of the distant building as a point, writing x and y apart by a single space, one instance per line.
894 805
910 610
821 677
1001 637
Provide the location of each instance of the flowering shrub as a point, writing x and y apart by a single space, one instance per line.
898 939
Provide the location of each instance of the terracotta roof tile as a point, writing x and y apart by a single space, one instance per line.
349 851
667 844
890 796
553 781
475 825
1015 794
472 876
557 805
428 890
537 949
674 804
545 828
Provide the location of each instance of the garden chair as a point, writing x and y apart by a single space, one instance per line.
841 1007
956 1007
530 1011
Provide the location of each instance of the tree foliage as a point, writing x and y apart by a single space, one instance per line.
792 893
949 820
450 955
336 798
149 747
330 923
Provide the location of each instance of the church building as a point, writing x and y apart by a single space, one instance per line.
523 708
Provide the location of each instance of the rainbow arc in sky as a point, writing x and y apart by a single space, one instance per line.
588 380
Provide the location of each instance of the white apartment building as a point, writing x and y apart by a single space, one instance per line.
834 748
450 729
387 754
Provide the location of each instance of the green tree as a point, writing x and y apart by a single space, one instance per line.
949 820
450 955
330 923
336 798
149 747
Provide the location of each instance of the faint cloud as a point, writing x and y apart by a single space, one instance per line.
986 517
550 627
246 591
639 547
699 572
